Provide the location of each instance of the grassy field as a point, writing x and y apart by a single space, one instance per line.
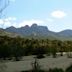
45 63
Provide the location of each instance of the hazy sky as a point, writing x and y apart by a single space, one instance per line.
55 14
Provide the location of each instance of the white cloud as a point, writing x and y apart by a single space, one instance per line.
10 21
30 22
58 14
50 20
1 21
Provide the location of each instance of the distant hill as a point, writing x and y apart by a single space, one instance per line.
5 33
67 33
36 31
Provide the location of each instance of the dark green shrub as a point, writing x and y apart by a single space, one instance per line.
69 69
56 70
39 56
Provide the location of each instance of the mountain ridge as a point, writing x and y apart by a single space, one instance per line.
39 31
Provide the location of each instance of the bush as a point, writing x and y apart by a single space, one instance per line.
69 69
33 71
17 58
55 70
39 56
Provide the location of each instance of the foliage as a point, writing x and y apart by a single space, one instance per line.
69 69
39 56
18 47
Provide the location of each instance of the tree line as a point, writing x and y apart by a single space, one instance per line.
18 47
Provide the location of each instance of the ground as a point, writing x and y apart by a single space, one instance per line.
45 63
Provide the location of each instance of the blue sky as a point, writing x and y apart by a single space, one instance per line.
55 14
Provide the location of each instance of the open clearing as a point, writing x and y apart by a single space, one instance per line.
45 63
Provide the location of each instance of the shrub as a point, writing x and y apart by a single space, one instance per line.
56 70
39 56
69 69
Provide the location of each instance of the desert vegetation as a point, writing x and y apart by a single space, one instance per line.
18 47
14 49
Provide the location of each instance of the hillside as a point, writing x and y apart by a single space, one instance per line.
5 33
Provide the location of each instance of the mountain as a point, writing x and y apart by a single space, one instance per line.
36 31
67 33
5 33
28 31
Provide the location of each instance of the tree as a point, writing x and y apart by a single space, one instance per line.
48 47
3 5
54 48
4 48
61 47
68 46
17 50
